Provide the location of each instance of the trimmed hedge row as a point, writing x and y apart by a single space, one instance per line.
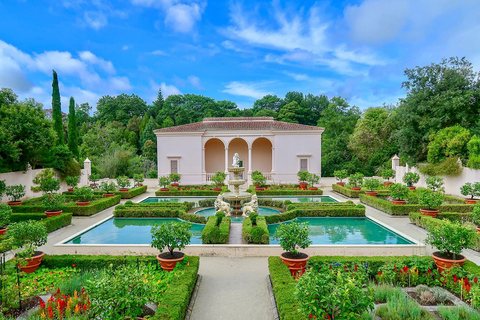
131 193
57 222
156 212
403 210
353 193
206 203
271 203
325 211
287 192
319 204
186 205
187 193
212 234
256 234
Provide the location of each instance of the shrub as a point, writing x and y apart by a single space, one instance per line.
164 181
321 211
218 178
470 189
258 178
94 177
448 167
435 184
219 215
214 233
46 181
476 215
255 234
29 235
53 202
172 235
153 174
356 180
293 235
450 238
313 178
371 184
253 216
303 176
5 215
2 188
108 187
72 181
15 192
411 178
138 178
388 173
399 191
340 174
432 200
84 194
123 182
174 177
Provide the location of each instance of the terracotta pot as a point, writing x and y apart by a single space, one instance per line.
471 201
169 264
371 193
296 266
478 230
164 189
53 213
443 263
123 189
93 184
139 184
355 188
398 202
257 185
313 188
3 231
387 184
82 203
70 190
259 189
431 213
15 203
108 195
33 263
175 184
217 189
412 188
303 185
341 184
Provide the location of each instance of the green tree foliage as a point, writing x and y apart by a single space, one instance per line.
72 129
147 133
291 112
57 110
99 139
168 122
149 150
7 97
120 108
448 142
474 152
82 113
269 102
157 105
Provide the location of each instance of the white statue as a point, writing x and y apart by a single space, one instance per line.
221 205
236 160
251 206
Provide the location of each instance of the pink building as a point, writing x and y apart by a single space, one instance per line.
277 149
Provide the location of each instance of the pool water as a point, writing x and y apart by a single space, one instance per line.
262 211
129 231
301 199
345 231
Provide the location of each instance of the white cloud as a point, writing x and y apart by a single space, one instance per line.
159 53
95 19
195 82
168 90
89 57
297 77
252 90
227 44
125 48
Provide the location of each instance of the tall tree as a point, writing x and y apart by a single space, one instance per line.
57 110
147 133
157 105
72 129
120 108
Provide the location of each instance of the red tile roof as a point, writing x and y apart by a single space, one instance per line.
246 123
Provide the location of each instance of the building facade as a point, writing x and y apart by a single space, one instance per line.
277 149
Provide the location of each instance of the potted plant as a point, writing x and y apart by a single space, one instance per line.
399 194
84 195
172 235
123 183
46 182
72 182
259 180
108 189
15 193
410 178
218 179
164 182
430 201
371 185
174 179
53 204
476 217
340 175
94 177
292 236
28 235
435 184
5 214
138 178
313 179
472 190
302 179
450 239
387 174
356 181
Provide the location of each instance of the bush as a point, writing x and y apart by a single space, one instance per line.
84 194
255 234
372 184
164 181
450 238
123 182
72 181
388 173
15 192
448 167
158 210
356 180
46 182
53 202
94 177
410 178
470 189
57 222
340 174
138 178
108 187
399 191
132 193
303 176
153 174
5 215
435 184
313 178
172 235
220 215
286 192
293 235
355 193
253 217
320 211
29 235
432 200
219 178
476 215
258 178
187 193
214 233
174 177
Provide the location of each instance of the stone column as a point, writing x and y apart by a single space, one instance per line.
249 173
273 159
395 162
87 171
226 162
204 167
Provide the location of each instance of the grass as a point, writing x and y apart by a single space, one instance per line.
458 313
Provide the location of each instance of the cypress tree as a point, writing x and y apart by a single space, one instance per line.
72 129
57 110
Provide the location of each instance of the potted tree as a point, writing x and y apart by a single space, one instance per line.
172 235
410 178
340 175
313 179
387 174
5 214
174 179
472 190
356 181
164 182
123 183
435 184
72 182
430 201
15 193
138 178
450 239
476 217
94 177
292 236
259 180
399 194
371 185
46 182
28 235
302 179
108 189
53 204
218 179
84 195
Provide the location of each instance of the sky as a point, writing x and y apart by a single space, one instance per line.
229 50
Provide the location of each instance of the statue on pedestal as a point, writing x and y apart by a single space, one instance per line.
236 160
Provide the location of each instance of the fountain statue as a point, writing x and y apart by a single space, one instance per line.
251 206
221 205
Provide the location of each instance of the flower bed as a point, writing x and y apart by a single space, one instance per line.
213 234
319 211
256 234
402 210
346 191
157 210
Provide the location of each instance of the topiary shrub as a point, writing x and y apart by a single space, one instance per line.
253 216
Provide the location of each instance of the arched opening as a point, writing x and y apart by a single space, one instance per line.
239 146
262 155
214 156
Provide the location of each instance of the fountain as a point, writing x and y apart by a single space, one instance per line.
236 197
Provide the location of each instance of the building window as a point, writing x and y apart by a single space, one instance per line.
303 164
174 166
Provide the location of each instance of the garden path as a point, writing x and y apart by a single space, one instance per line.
235 236
233 288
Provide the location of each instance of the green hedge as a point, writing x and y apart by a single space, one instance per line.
156 212
291 192
271 203
324 211
17 217
187 193
256 234
403 210
346 191
206 203
212 234
186 205
131 193
57 222
319 204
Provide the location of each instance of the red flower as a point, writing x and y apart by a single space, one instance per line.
310 316
83 290
475 280
379 273
429 271
454 278
405 269
394 267
355 267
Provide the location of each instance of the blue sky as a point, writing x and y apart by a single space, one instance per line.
233 50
